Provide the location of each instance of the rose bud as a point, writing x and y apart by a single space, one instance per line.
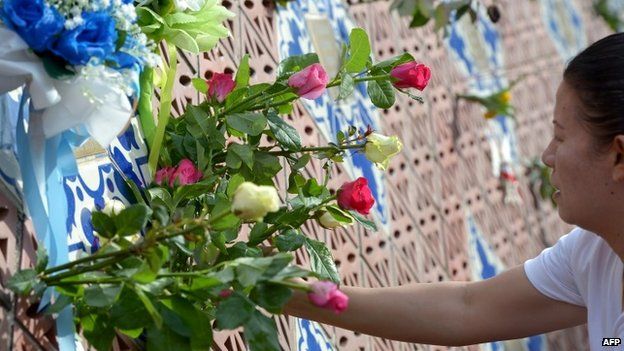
163 175
356 196
185 173
326 294
252 202
219 86
380 148
411 75
310 82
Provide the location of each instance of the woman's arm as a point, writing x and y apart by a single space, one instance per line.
449 313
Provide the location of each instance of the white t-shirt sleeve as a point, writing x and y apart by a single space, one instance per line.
552 272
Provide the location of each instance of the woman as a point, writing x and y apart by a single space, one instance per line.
577 281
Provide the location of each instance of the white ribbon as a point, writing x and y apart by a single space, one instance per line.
94 97
19 66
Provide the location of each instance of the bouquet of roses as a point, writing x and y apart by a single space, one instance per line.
209 244
80 60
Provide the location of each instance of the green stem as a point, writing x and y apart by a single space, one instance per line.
359 80
86 259
255 108
291 285
317 148
55 278
146 115
166 99
112 280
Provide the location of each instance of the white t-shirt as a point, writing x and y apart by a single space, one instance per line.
582 269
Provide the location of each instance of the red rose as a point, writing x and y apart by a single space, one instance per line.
411 75
356 196
219 86
310 82
163 175
186 173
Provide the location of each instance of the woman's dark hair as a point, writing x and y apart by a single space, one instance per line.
597 75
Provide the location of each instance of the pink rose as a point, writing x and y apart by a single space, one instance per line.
185 173
411 75
326 294
163 175
310 82
356 196
219 86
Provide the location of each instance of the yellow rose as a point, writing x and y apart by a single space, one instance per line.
380 148
506 96
252 202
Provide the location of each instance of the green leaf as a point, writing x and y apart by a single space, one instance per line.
200 85
103 224
166 339
42 259
197 117
339 214
248 122
132 219
195 319
238 154
242 75
133 333
149 307
227 221
302 162
289 240
322 262
346 87
381 93
22 282
61 302
183 40
98 330
261 333
101 295
56 67
419 19
441 16
266 166
257 235
369 225
387 65
129 312
234 311
234 182
295 181
295 63
284 133
271 297
359 50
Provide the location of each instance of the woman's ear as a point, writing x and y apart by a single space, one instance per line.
618 167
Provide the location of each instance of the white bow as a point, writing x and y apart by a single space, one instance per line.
94 97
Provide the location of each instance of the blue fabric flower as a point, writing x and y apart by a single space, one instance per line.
124 60
95 37
36 22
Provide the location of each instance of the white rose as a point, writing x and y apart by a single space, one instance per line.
252 202
113 207
193 5
380 148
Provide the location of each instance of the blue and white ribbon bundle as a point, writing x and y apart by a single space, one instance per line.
79 63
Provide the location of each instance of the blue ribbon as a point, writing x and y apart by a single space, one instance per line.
43 164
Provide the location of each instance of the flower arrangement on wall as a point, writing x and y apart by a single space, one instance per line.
210 242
